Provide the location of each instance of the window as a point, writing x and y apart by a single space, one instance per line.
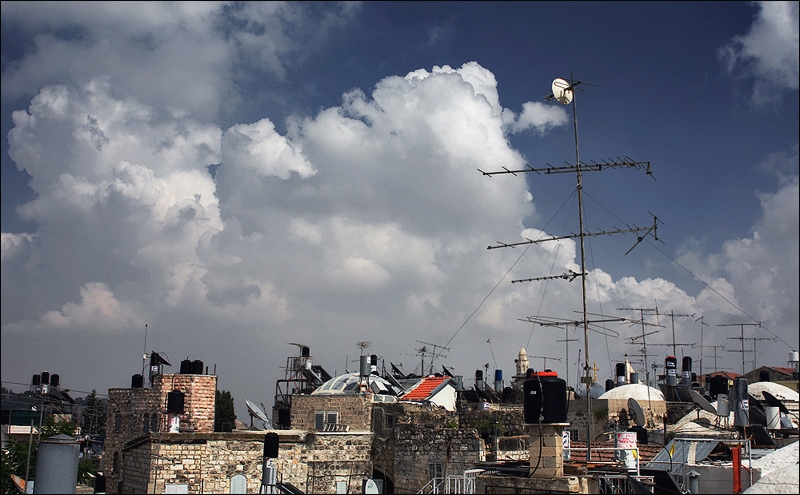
324 418
154 422
332 418
238 484
118 422
115 465
436 470
389 420
146 423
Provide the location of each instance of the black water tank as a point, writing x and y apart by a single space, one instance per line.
545 397
175 402
718 385
137 381
609 384
55 380
37 379
763 376
197 367
45 378
100 483
478 376
694 377
620 367
641 434
186 367
284 416
686 364
305 351
271 442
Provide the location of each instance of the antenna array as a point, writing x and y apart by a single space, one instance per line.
564 93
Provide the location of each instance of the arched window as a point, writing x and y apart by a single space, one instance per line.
238 483
146 423
115 465
154 422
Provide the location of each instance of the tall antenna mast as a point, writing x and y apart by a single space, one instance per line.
702 324
145 356
564 93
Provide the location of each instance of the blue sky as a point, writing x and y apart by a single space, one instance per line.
345 203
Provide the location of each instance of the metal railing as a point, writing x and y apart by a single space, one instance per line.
454 483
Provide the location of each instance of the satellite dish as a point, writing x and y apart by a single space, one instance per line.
702 402
257 412
370 486
562 91
773 401
635 412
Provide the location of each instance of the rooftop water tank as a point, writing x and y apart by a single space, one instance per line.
545 398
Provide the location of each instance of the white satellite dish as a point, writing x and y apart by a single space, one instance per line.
702 402
369 486
635 412
562 91
256 412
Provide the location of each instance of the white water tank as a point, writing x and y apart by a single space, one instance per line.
773 417
723 405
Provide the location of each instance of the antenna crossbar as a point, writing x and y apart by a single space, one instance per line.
569 276
626 162
647 230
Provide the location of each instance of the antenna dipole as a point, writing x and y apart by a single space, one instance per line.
742 325
545 358
363 345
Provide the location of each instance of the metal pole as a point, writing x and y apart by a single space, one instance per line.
28 466
587 378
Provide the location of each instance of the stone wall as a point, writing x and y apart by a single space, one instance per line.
206 463
418 446
355 411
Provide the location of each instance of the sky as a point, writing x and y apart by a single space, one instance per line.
219 181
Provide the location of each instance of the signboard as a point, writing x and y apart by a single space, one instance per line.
565 442
626 440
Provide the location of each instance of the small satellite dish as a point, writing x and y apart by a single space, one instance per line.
370 486
635 412
702 403
562 91
256 412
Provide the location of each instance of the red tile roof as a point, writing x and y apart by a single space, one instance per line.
424 388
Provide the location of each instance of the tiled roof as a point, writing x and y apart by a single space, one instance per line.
424 388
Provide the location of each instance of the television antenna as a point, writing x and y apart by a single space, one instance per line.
715 354
672 316
435 354
363 345
564 93
742 338
545 358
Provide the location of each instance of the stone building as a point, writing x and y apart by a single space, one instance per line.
138 412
